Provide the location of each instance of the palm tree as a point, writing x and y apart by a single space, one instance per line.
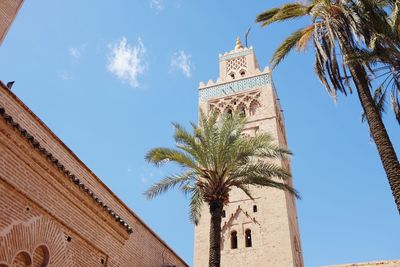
336 31
382 52
215 158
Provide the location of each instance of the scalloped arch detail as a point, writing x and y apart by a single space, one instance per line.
37 235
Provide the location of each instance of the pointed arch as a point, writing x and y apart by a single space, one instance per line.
242 110
254 106
228 111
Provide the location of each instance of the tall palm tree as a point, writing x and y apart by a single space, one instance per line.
215 158
336 31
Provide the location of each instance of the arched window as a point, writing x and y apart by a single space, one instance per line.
233 240
255 208
232 75
248 238
242 111
242 73
254 105
229 113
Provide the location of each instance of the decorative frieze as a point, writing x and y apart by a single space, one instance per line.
234 87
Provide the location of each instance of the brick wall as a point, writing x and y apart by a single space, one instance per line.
8 12
45 214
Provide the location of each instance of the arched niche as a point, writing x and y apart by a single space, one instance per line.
41 256
22 259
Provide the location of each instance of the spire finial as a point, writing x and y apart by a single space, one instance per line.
238 44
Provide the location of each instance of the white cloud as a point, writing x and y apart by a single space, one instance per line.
76 52
127 61
157 4
65 76
181 61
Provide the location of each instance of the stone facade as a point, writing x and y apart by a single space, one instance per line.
8 12
266 229
392 263
54 211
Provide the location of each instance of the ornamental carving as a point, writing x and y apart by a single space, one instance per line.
234 87
246 104
239 222
38 242
236 64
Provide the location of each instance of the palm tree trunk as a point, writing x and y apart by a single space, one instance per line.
215 233
378 131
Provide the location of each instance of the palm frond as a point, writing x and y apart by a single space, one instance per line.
298 38
285 12
261 181
195 205
167 183
305 38
380 101
395 105
267 15
159 156
245 188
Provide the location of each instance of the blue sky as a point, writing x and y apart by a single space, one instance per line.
109 77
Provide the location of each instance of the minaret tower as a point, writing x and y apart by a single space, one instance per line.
262 232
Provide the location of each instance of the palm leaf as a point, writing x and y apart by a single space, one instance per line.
167 183
395 105
285 12
296 39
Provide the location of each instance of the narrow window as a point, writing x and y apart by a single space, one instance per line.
234 240
223 214
242 111
255 208
248 238
229 113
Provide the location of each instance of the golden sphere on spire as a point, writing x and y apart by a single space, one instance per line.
238 44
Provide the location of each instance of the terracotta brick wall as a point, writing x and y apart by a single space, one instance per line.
44 214
8 12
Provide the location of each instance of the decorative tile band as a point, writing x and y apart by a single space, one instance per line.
234 87
233 55
36 145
